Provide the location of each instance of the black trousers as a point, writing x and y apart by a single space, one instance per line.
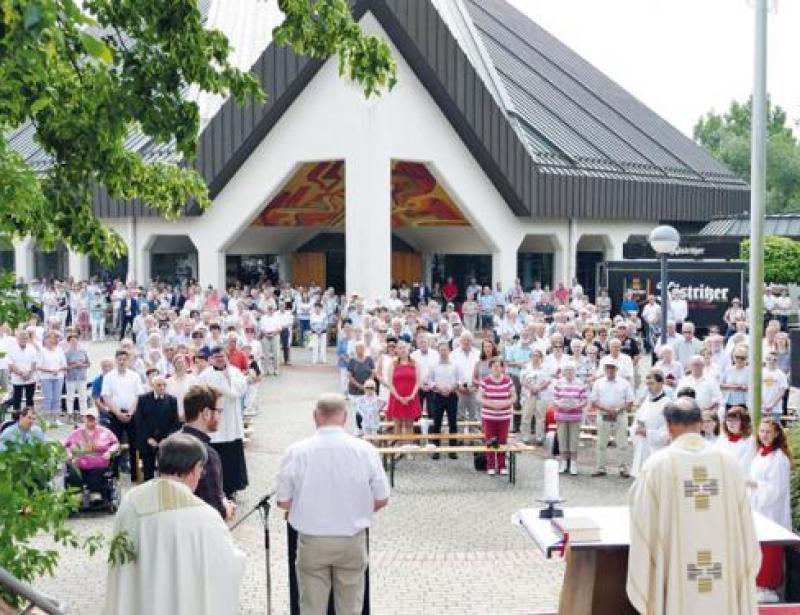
128 430
149 455
284 336
125 322
94 480
426 400
442 404
19 389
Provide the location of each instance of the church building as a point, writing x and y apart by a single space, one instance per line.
499 154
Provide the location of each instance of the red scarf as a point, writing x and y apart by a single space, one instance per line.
766 450
734 437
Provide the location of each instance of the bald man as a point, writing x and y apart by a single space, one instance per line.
156 418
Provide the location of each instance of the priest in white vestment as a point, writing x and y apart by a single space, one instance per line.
185 560
693 544
228 440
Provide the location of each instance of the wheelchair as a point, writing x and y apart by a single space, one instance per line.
98 492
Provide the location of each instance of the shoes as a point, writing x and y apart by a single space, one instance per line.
573 469
766 596
452 455
562 466
504 471
435 456
624 473
491 472
598 473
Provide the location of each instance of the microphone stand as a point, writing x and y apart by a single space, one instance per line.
262 506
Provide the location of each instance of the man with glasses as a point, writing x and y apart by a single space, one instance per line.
687 345
202 407
706 390
775 384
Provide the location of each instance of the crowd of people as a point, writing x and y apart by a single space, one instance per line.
548 365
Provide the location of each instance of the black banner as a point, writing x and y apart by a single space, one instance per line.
692 246
707 286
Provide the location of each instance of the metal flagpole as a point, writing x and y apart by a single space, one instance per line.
758 197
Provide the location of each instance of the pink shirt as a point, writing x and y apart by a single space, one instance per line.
90 448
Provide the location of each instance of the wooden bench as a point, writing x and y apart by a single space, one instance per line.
391 455
413 437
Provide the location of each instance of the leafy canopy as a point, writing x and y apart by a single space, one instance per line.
727 137
781 259
88 78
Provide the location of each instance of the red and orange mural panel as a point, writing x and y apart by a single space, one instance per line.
419 200
315 197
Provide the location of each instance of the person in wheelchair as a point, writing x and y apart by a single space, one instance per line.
91 448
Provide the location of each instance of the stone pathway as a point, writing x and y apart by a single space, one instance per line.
444 545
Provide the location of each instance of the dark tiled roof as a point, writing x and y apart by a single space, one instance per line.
575 117
784 225
565 141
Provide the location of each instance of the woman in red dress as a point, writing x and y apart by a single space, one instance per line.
404 382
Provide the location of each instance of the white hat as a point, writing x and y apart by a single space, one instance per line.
609 361
568 364
90 411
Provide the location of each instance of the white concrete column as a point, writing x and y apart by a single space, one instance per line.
572 254
23 258
560 265
427 269
504 267
285 266
211 263
78 266
368 231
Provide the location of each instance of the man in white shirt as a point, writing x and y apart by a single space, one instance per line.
465 358
443 383
707 393
121 389
687 345
331 483
426 357
678 308
269 326
612 397
22 359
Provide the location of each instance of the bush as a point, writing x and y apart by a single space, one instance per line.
781 259
793 435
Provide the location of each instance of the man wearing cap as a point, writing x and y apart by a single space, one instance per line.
269 326
90 449
611 398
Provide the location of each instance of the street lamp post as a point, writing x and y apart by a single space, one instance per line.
664 240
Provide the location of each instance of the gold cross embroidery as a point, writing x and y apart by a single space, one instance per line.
705 571
701 488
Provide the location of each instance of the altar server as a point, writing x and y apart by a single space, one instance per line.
769 481
693 550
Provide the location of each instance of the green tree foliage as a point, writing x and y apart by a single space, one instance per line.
727 137
781 259
30 506
88 77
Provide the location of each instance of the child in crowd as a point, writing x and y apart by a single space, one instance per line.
369 407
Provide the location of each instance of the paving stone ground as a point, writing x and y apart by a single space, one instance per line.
444 545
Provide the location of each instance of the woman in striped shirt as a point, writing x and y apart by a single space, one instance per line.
569 399
497 397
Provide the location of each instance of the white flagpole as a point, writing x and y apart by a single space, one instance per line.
758 197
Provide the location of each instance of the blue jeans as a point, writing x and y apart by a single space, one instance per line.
51 391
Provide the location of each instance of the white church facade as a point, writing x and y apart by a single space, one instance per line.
499 154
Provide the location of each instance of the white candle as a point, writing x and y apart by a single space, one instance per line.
550 480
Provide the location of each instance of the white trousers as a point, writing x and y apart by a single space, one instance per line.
76 388
319 345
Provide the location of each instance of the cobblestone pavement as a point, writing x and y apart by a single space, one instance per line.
444 545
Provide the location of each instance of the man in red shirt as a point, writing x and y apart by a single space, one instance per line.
236 357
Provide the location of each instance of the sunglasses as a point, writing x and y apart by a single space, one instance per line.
741 358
